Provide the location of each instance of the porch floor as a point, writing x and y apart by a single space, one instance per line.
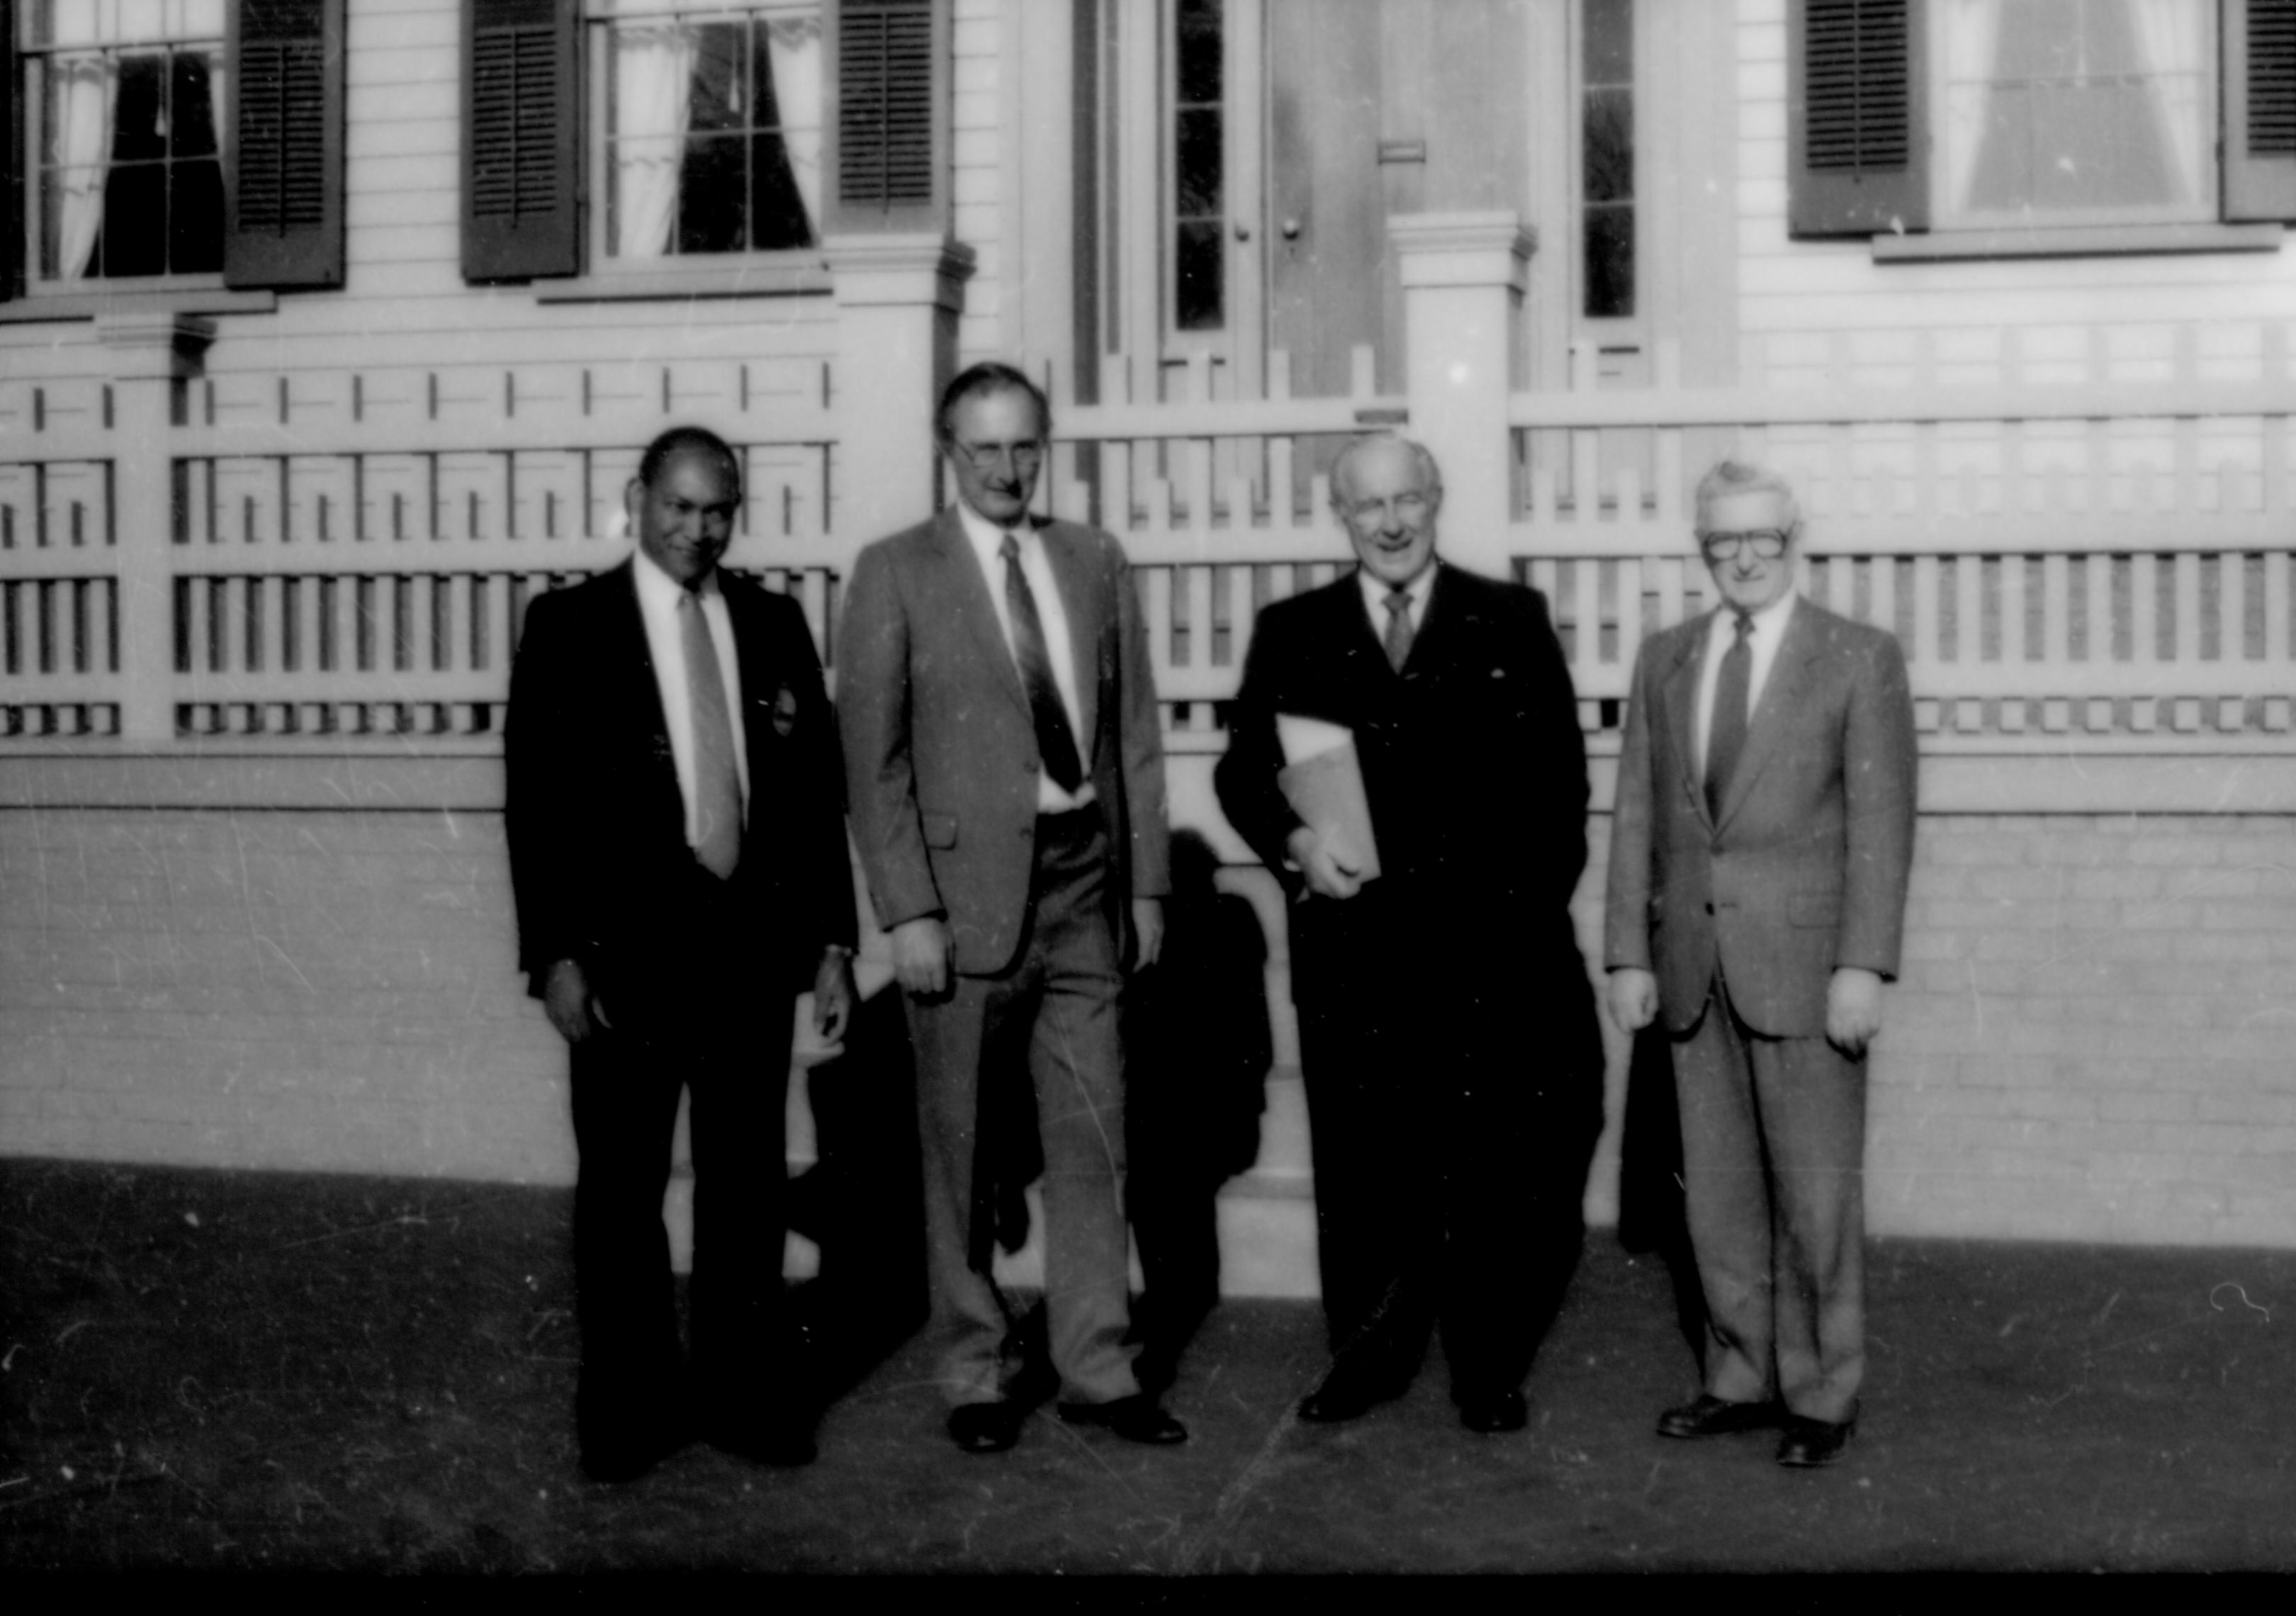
257 1371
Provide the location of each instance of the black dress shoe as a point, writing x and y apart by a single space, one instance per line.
1707 1415
1139 1418
1496 1414
986 1427
1813 1444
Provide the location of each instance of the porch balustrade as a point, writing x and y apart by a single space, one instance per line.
2098 562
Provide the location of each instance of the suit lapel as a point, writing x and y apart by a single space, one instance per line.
966 585
1773 708
1080 602
1679 697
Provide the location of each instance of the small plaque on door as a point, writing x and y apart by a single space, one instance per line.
1403 152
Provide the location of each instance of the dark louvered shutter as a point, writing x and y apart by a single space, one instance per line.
520 144
889 74
12 171
2260 101
286 224
1857 136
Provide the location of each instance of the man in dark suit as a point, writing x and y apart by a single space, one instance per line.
678 858
1446 1024
1006 777
1759 857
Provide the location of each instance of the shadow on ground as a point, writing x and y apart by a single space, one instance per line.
282 1371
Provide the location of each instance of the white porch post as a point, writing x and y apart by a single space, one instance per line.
897 299
152 357
1463 275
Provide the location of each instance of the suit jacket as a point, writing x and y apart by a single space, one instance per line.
941 750
1805 870
1473 760
600 866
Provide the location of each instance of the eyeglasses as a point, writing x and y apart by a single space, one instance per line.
983 456
1768 543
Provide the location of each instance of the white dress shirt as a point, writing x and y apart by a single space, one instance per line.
1375 593
657 594
1769 628
1060 649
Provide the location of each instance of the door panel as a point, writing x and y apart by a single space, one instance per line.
1326 207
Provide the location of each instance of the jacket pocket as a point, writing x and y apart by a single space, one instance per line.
1815 908
940 830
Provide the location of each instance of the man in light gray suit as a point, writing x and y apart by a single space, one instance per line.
1005 782
1759 860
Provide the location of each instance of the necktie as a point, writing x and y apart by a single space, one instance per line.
1726 737
1055 738
1398 629
716 786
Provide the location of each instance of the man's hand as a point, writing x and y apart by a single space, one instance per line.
1147 931
1853 1009
1328 876
833 995
566 1001
1634 997
921 956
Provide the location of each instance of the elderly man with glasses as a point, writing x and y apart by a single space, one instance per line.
1759 857
1005 779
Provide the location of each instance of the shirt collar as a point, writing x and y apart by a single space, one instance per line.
1768 622
659 589
1375 592
989 538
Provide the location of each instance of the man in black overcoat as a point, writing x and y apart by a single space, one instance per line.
1447 1038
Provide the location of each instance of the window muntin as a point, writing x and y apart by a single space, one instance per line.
122 108
709 139
2070 112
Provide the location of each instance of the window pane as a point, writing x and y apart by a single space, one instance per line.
1609 41
2097 111
713 185
1197 164
776 208
1199 51
720 94
1198 282
191 108
1609 145
1609 234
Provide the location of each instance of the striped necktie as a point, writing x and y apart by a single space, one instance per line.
1055 740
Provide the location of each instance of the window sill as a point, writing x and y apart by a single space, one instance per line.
2087 241
88 305
796 275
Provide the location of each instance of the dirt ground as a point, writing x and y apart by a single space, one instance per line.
261 1371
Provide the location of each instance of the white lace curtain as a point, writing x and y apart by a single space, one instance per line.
653 89
2173 41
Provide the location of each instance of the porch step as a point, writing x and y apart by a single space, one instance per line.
1267 1216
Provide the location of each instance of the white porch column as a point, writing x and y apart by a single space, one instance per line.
1463 275
897 299
153 355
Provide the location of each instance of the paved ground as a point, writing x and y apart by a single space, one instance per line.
259 1371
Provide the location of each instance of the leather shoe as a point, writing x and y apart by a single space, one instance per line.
627 1459
1812 1443
986 1427
1708 1415
1344 1397
1139 1418
1496 1414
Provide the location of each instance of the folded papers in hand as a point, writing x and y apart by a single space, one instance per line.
1323 782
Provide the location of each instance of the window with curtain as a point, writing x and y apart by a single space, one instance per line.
124 166
711 128
2074 112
